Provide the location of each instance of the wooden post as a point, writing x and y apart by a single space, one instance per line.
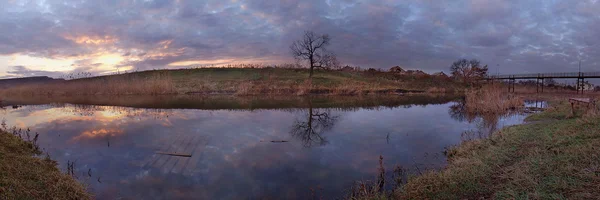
542 85
577 85
582 84
537 85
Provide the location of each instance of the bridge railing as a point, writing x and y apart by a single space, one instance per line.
547 75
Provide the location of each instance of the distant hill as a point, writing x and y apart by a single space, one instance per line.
6 83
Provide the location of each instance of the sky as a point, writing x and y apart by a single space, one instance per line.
58 37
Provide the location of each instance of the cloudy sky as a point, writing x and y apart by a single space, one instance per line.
54 37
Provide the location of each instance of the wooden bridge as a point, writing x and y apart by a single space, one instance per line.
580 76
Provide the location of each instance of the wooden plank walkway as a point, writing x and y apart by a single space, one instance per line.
178 154
580 100
587 102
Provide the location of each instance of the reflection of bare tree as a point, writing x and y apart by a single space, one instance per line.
487 123
458 111
310 131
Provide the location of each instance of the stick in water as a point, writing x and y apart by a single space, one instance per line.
174 154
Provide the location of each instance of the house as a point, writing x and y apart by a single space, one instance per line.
440 75
416 73
397 69
348 69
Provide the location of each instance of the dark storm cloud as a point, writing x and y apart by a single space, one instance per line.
509 35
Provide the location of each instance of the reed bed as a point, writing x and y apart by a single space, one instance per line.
129 84
491 99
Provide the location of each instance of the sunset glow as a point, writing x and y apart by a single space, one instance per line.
55 38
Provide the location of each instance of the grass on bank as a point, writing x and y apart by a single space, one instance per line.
240 81
25 176
555 158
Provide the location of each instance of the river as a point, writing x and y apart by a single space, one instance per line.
244 147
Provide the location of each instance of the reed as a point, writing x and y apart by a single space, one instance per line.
491 99
154 84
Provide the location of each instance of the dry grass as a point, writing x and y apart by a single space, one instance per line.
375 190
24 176
557 159
240 81
491 99
437 90
153 84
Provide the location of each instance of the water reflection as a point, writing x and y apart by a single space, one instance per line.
310 130
332 143
486 123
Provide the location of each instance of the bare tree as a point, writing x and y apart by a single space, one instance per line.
329 61
312 47
551 82
468 70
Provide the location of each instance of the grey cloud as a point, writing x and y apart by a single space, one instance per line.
22 71
514 36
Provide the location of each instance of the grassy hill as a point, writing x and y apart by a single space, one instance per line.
6 83
242 81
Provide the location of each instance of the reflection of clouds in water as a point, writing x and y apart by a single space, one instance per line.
485 123
233 162
99 133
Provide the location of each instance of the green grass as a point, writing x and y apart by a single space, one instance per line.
556 158
24 176
560 110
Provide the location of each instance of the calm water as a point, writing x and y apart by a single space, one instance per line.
245 148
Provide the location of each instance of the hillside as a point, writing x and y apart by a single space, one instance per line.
12 82
243 81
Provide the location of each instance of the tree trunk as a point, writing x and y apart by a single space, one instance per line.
312 66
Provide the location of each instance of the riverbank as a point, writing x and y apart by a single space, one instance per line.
25 176
242 81
229 102
553 156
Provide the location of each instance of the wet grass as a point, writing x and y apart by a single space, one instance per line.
557 157
23 175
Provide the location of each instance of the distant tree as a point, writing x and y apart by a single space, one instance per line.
312 47
468 70
550 82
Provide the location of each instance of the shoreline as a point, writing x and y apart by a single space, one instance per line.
235 102
24 175
552 155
